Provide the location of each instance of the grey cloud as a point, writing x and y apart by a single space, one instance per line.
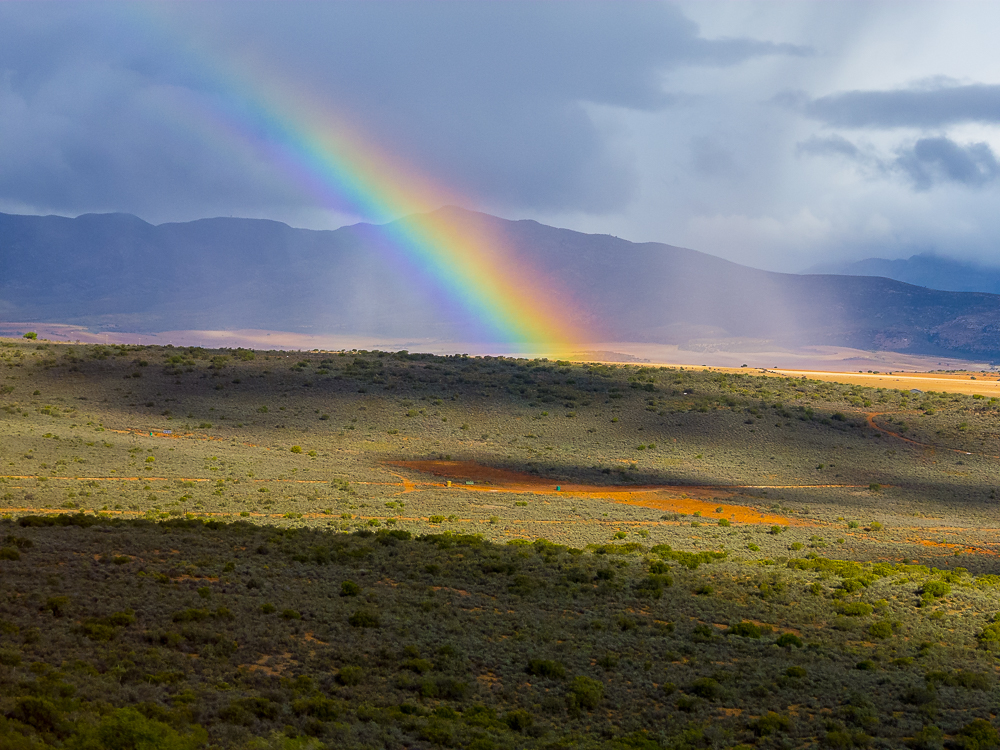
935 105
490 98
924 164
834 145
935 160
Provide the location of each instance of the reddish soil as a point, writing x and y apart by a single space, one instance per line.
687 500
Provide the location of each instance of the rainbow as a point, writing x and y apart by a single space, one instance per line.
514 307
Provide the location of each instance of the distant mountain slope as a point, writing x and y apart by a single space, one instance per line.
238 273
922 270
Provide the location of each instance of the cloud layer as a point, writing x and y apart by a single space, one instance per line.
649 120
99 104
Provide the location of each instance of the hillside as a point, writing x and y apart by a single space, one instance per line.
236 549
116 270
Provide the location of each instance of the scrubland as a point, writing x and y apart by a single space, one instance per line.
259 549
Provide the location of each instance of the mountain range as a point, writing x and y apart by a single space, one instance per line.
103 270
927 270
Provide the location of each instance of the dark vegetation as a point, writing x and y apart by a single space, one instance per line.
237 635
265 577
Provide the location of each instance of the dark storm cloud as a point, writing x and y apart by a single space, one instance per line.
936 160
924 164
933 106
495 98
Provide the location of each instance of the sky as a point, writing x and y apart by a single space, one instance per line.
776 134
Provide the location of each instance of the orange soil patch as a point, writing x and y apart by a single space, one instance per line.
685 500
274 670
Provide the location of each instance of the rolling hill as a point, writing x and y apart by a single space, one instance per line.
115 269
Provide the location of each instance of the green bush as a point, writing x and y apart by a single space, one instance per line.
788 640
9 553
855 609
319 707
519 720
707 688
552 670
364 618
744 629
128 729
880 629
978 734
928 738
38 713
586 692
770 723
349 588
350 675
935 589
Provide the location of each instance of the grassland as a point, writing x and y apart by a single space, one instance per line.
260 549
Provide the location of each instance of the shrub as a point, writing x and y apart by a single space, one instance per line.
586 692
128 729
9 553
10 658
364 619
856 609
707 688
349 588
788 640
771 723
420 666
935 589
519 720
31 335
57 605
928 738
978 734
881 629
38 713
552 670
318 707
745 629
350 676
296 449
653 585
989 637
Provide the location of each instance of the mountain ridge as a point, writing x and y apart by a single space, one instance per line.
923 269
225 273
